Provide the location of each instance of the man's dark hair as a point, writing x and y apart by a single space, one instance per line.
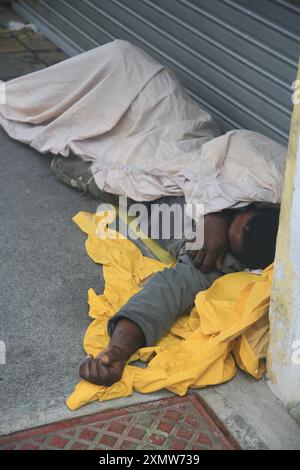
259 236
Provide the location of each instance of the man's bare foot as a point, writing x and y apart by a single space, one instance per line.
107 368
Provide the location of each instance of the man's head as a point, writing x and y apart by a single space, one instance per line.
252 234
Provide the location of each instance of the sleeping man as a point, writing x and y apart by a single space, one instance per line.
149 314
234 239
128 128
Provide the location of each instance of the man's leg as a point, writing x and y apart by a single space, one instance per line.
77 173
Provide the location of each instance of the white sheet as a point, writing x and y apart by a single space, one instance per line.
130 116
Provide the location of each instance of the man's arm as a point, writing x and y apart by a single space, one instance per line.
165 296
149 314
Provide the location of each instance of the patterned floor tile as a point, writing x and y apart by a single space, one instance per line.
179 423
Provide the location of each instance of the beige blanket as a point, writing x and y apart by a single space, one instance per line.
129 115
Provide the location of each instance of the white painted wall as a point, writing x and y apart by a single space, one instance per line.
284 348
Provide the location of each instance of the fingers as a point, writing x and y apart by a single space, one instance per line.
219 262
110 355
198 259
205 260
84 368
94 371
88 370
208 262
95 375
107 357
91 370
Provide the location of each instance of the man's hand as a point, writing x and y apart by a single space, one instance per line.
104 369
215 242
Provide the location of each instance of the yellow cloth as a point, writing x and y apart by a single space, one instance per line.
228 323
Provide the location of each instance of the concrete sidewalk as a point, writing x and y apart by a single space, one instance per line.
44 277
23 51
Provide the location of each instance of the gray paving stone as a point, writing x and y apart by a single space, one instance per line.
35 42
21 63
51 57
10 44
5 32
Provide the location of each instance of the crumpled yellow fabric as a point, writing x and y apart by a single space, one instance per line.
228 325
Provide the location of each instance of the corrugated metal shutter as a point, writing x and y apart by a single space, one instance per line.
238 59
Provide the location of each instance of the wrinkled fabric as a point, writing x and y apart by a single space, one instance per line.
228 325
119 108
